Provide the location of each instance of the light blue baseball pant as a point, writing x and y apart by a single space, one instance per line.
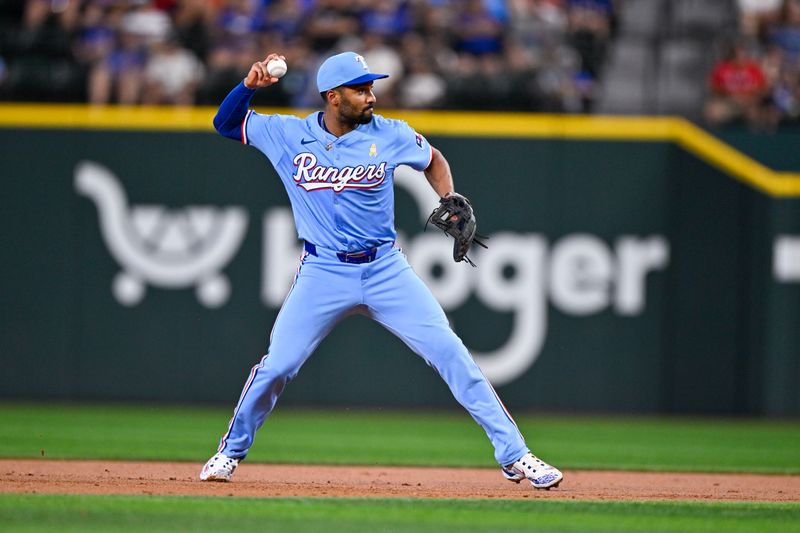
387 289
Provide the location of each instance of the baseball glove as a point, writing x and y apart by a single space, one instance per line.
455 217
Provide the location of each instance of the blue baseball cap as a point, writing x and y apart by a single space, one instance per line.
347 68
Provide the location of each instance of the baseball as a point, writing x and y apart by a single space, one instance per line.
277 67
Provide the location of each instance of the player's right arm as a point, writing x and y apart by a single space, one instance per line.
232 112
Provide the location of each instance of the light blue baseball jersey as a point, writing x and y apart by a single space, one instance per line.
341 188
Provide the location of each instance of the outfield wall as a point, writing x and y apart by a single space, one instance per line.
634 265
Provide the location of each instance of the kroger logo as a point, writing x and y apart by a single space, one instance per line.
521 273
166 248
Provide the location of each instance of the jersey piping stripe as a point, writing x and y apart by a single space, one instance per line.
508 414
253 371
256 368
430 159
244 126
510 418
303 257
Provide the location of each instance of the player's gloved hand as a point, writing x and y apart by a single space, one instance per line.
258 77
455 217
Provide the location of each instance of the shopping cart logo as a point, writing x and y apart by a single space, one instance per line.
160 246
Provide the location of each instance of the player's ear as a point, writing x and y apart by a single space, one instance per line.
333 96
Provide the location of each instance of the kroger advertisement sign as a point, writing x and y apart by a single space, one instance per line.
622 276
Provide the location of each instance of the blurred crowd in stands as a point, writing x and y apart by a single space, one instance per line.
757 80
533 55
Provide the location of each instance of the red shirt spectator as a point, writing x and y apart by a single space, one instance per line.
738 87
739 76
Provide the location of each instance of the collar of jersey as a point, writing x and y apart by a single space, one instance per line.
312 122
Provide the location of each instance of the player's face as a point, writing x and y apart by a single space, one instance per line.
356 103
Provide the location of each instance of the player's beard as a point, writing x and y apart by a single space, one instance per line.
350 115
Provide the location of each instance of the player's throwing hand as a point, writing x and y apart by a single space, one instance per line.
259 77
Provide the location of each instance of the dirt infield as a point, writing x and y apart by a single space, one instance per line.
104 477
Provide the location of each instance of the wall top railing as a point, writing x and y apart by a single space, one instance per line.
458 124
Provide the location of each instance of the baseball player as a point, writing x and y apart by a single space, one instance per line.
337 166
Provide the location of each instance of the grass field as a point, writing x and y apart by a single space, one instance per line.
377 437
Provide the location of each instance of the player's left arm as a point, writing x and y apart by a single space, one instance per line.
439 175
